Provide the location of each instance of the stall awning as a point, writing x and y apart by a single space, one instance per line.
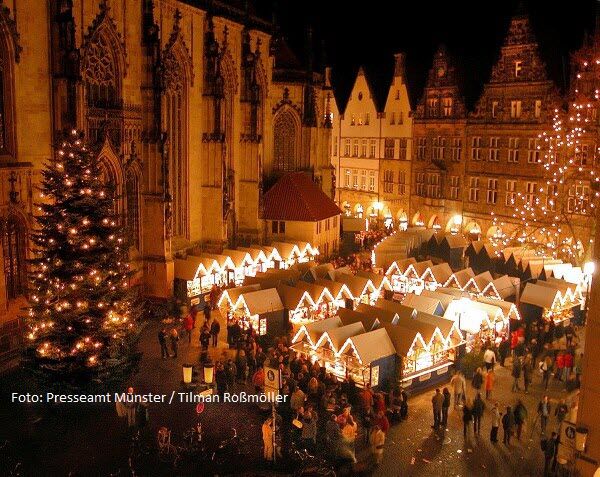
370 346
336 337
350 316
214 263
189 269
509 309
313 330
403 338
271 253
287 251
427 331
423 303
262 301
404 312
567 290
448 328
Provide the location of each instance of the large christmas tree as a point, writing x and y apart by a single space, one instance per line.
83 312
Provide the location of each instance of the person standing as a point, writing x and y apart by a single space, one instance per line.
489 358
543 411
568 362
519 418
527 370
215 328
549 448
516 373
489 383
507 425
569 334
445 407
477 380
206 313
561 411
309 429
162 340
467 417
188 326
437 402
546 368
174 337
377 441
478 408
503 349
495 423
382 422
403 405
560 366
459 386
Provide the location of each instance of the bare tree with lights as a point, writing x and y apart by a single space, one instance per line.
82 316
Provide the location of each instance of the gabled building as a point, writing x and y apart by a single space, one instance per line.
504 154
439 137
374 150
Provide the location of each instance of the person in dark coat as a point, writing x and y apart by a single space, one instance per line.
437 402
477 380
507 425
215 328
174 337
206 313
516 373
467 417
403 405
162 339
520 415
478 408
220 378
549 446
445 407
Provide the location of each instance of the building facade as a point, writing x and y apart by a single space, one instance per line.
191 107
372 154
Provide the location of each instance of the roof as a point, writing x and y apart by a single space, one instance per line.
334 287
291 297
401 265
476 246
539 295
377 279
296 197
339 335
262 301
443 324
507 307
426 330
504 286
271 252
189 269
257 254
350 316
372 345
223 261
320 271
355 284
463 276
423 303
384 316
420 267
404 312
455 292
314 290
234 293
402 338
286 249
444 298
455 241
315 329
441 272
483 279
285 58
239 257
491 310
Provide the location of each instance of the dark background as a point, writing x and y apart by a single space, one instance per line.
369 32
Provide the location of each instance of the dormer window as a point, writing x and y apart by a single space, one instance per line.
518 68
397 94
360 96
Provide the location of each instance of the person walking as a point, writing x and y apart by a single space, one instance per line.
489 383
377 441
459 387
309 429
549 446
546 369
527 370
445 406
568 363
489 358
267 435
467 417
174 337
478 408
188 326
543 411
516 373
215 328
560 366
206 313
520 416
495 423
437 402
477 380
507 425
561 411
162 340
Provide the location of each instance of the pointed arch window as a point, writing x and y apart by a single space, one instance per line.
7 119
133 210
14 249
286 140
100 75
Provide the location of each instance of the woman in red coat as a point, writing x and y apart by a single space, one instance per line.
560 366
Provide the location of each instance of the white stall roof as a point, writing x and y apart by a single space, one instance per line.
287 250
292 297
189 269
337 289
380 281
402 338
357 285
348 317
320 271
506 286
371 346
462 277
539 295
508 308
483 279
382 315
455 241
444 298
404 312
238 257
338 336
233 294
257 254
441 272
399 267
423 303
262 301
316 291
315 329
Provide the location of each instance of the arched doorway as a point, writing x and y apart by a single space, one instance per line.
417 220
473 231
402 220
434 223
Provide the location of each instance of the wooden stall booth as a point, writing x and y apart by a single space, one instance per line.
324 302
546 302
261 309
189 274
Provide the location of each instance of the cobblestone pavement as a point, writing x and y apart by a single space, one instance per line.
92 440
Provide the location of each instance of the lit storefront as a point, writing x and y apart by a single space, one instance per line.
547 302
261 309
324 302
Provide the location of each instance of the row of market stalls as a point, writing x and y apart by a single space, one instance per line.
196 274
552 299
410 276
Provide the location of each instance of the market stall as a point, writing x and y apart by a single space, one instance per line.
321 271
368 321
260 262
382 315
331 341
463 280
502 288
219 270
230 296
403 312
380 281
509 309
451 249
395 274
243 265
309 333
341 293
361 288
438 276
367 358
261 309
325 303
444 298
482 281
189 273
298 304
273 256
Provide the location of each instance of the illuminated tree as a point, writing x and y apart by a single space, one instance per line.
82 311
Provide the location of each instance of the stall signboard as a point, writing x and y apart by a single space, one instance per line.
272 382
566 446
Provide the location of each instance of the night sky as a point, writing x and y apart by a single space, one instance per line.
472 33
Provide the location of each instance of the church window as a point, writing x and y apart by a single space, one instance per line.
13 245
286 134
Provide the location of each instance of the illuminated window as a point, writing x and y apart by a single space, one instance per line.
511 192
513 149
515 109
476 148
533 152
494 108
531 193
372 148
493 152
518 68
286 133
